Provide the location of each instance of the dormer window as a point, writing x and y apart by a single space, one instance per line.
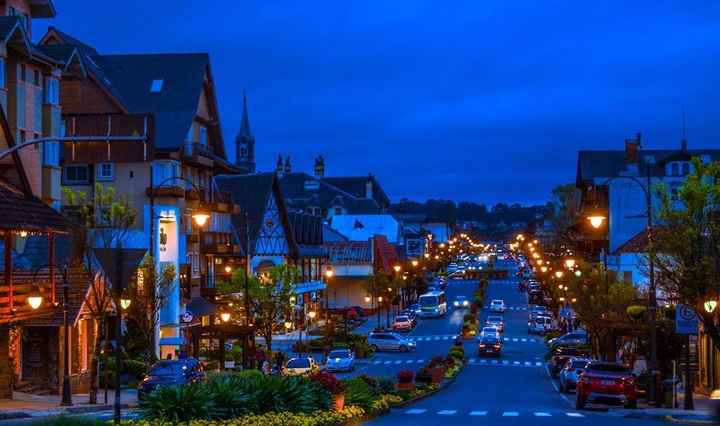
674 169
685 168
156 85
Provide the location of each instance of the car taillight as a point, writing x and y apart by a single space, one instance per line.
482 345
497 346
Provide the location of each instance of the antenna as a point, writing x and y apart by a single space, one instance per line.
683 121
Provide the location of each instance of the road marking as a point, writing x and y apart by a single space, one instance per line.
505 362
472 360
445 337
478 413
409 361
420 361
415 411
516 362
437 338
483 361
542 414
515 339
507 339
528 363
523 339
377 362
510 414
447 412
494 361
398 362
388 362
575 415
538 363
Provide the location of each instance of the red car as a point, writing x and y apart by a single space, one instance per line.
402 323
606 383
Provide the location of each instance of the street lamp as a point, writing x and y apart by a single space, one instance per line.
329 273
397 268
558 274
200 217
225 316
710 306
125 303
34 299
543 269
414 263
569 263
367 299
578 273
596 220
312 315
288 326
228 269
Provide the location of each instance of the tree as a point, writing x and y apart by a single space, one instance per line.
270 297
102 218
149 293
686 246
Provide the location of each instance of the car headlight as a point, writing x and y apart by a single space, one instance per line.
465 303
456 303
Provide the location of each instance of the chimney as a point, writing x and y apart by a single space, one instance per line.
683 145
279 166
369 187
631 149
319 167
288 168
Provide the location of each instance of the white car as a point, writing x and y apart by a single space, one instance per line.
497 306
540 324
461 302
300 366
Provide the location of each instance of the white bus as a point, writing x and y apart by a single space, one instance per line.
433 304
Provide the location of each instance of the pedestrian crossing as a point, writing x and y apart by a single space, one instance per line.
485 413
471 361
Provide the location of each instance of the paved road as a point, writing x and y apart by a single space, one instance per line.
512 390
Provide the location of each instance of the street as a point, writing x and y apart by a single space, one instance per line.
515 389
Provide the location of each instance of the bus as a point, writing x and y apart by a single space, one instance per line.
433 304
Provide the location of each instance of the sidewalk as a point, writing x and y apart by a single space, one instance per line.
24 405
702 414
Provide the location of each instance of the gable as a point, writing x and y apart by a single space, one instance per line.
86 97
272 238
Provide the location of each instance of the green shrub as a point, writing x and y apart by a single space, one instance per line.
359 392
457 353
469 318
229 399
386 385
178 403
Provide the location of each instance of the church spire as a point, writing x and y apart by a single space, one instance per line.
245 141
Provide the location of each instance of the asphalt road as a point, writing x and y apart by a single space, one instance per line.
512 390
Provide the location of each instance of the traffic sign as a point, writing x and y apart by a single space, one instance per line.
686 320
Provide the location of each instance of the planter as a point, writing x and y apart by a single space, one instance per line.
405 386
437 374
338 401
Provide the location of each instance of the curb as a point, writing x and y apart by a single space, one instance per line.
54 412
709 421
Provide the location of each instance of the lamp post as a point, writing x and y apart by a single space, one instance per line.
66 390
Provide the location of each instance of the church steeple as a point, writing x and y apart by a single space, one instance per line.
245 142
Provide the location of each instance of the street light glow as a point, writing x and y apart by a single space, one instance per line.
710 306
596 221
200 218
558 274
569 263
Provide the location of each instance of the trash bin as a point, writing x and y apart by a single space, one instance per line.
667 389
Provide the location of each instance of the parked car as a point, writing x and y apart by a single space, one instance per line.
410 314
171 373
535 297
497 322
497 306
570 339
402 323
461 302
415 307
300 366
561 356
570 373
490 345
358 310
606 382
537 310
340 360
540 324
390 342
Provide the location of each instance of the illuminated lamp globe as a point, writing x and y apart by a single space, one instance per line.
125 303
367 299
558 274
329 272
288 325
578 273
397 268
569 263
414 263
543 269
312 314
225 316
200 217
710 306
596 221
35 300
228 269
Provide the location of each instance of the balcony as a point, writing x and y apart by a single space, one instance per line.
197 155
218 243
172 191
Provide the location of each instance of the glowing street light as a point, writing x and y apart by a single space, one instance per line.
228 269
558 274
710 306
125 303
312 314
543 269
578 273
34 299
225 316
329 272
200 217
569 263
414 263
397 268
597 220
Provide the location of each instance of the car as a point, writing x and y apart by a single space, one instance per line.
561 356
570 339
497 306
410 313
606 382
490 345
340 360
380 341
402 323
457 275
300 366
538 309
415 307
489 331
540 324
171 373
497 322
461 302
570 373
535 297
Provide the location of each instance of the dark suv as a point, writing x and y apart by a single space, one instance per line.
606 382
171 373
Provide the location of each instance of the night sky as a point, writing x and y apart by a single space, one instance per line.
479 100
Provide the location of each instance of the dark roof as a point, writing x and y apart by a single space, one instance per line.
325 196
251 193
59 52
8 24
42 8
22 211
67 38
357 187
606 164
36 253
175 106
637 244
349 252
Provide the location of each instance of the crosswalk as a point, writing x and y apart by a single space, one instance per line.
486 413
441 337
471 361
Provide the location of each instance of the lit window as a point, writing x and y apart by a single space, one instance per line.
156 86
105 171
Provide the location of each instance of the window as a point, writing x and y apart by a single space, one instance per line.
22 72
203 136
36 77
163 173
105 172
76 174
52 91
2 73
685 168
156 85
674 169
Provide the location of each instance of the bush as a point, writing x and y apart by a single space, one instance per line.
469 318
457 353
405 376
329 382
359 392
178 403
385 385
423 376
437 362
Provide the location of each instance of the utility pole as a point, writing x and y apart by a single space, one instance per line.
246 295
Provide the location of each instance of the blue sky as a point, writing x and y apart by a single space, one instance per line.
468 100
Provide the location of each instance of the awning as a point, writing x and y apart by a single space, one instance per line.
309 286
199 306
172 341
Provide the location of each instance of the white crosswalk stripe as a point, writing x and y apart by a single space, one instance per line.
478 413
410 361
398 362
415 411
388 362
510 414
575 415
542 414
447 412
451 412
377 362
